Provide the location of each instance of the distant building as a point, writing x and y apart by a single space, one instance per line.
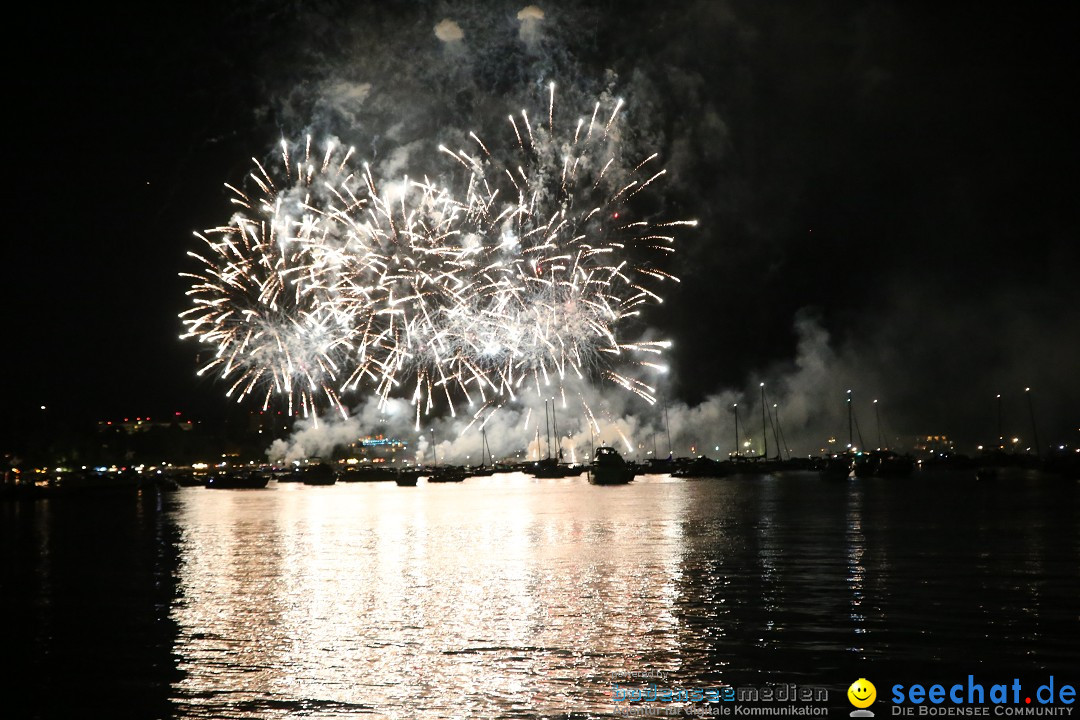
273 423
378 449
143 424
933 444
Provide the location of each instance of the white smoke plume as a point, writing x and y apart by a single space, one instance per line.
315 439
530 32
805 402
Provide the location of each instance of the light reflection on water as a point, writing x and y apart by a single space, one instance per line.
499 595
514 597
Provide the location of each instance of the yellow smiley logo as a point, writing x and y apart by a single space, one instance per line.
862 693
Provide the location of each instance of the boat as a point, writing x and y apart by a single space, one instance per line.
703 467
407 478
659 466
882 463
552 465
483 469
368 473
84 482
836 466
183 478
609 468
317 472
293 475
447 473
237 480
547 468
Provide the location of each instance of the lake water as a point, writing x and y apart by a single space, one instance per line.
514 597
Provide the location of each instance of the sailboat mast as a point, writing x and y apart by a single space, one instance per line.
667 429
1001 436
764 432
877 417
555 432
547 430
774 420
736 409
781 429
849 436
1034 430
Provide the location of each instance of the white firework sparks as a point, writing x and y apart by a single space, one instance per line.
528 274
565 258
266 297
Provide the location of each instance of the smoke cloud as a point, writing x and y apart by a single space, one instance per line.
449 31
531 18
805 401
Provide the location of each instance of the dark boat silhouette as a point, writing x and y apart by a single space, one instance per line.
293 475
317 472
446 474
703 467
407 477
368 473
882 463
237 480
552 468
188 479
836 466
609 468
552 465
483 469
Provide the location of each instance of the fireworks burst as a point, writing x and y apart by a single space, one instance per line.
523 270
265 298
565 258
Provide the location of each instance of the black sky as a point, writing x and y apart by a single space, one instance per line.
903 173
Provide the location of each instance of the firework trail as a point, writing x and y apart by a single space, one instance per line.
522 270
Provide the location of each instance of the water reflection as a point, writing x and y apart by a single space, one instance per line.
501 595
856 547
514 597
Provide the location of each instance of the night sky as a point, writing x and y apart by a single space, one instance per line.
891 184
